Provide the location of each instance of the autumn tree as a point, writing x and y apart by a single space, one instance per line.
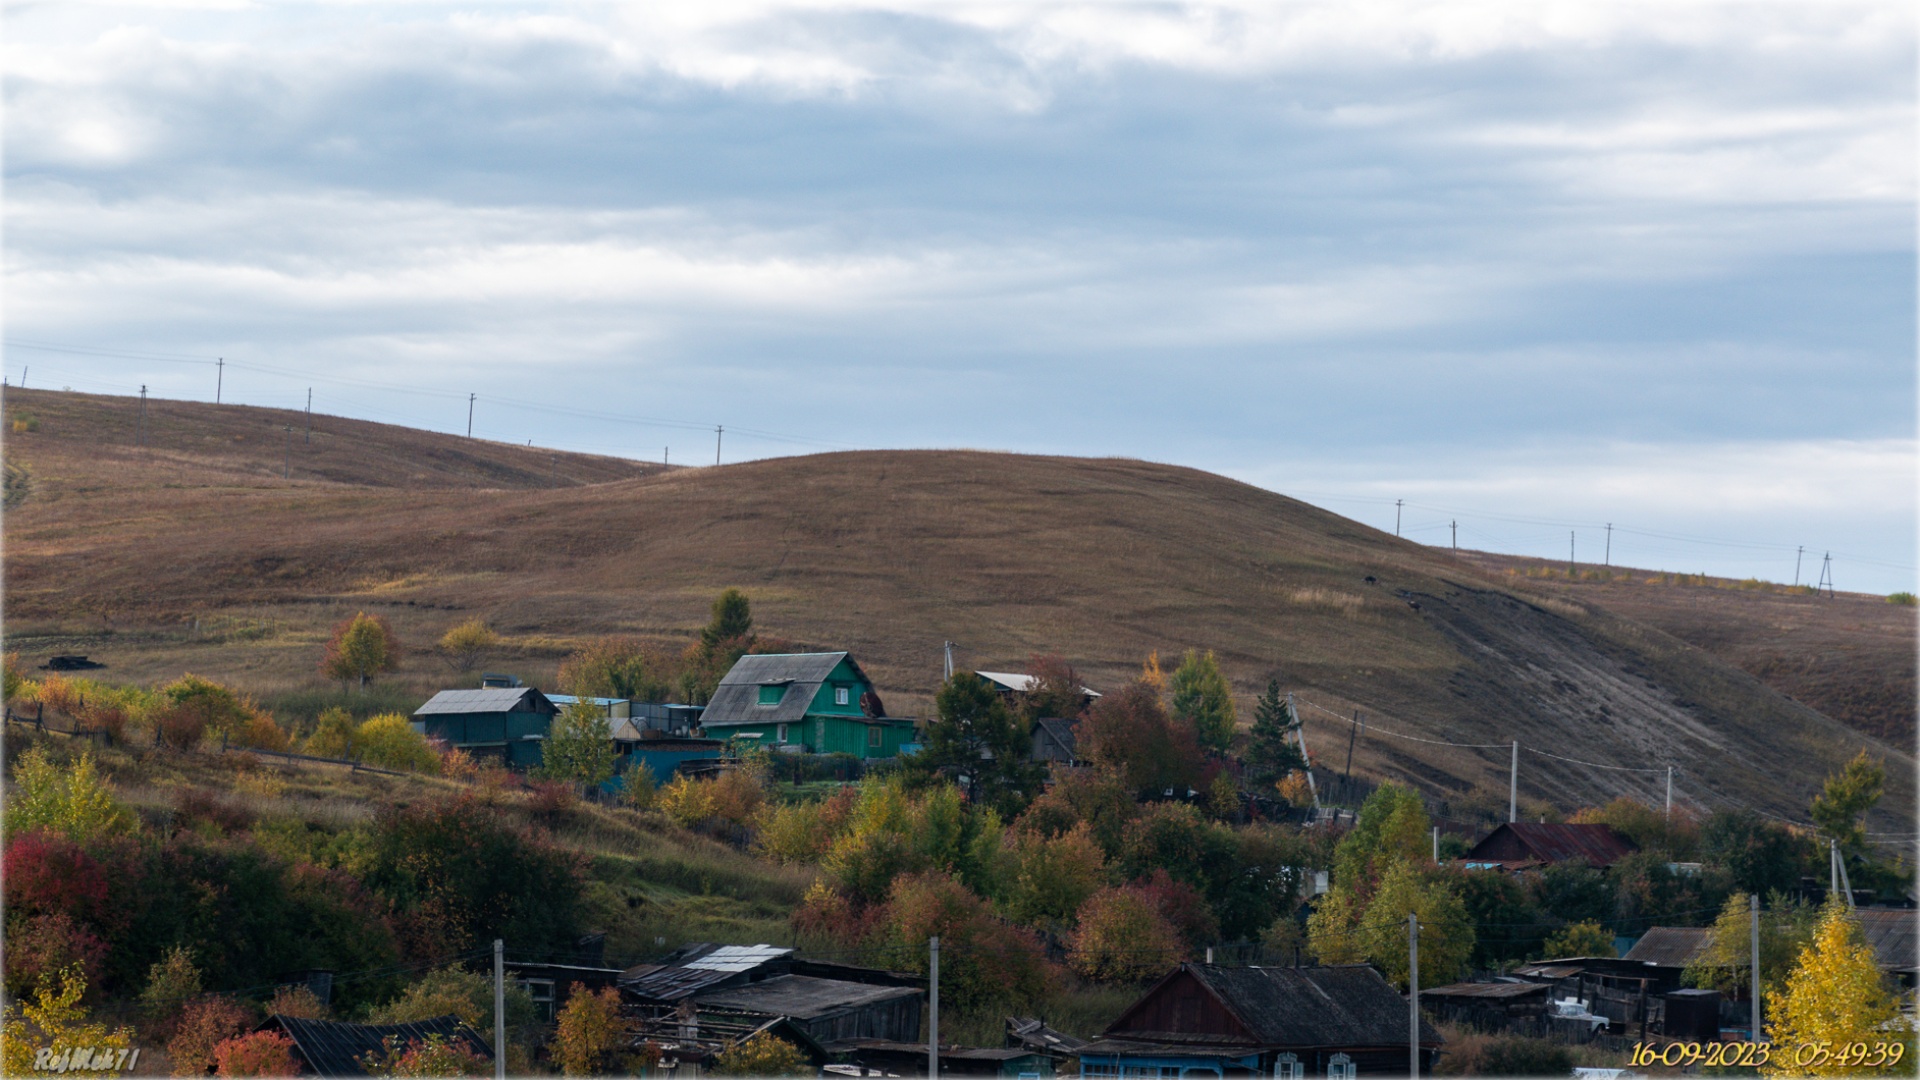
258 1053
1391 828
760 1054
976 740
579 745
361 647
1120 936
1841 807
1726 963
1836 995
72 801
621 667
1586 938
462 646
204 1024
54 1019
727 637
1053 875
1762 856
1271 754
468 995
588 1033
1056 690
390 741
1130 735
1203 700
1446 932
332 735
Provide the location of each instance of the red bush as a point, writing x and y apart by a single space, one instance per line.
262 1053
1181 905
46 873
551 800
192 805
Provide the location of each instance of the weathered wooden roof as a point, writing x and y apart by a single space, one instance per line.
1059 732
490 700
1347 1005
802 997
1035 1035
737 699
1670 946
333 1048
1598 845
1894 934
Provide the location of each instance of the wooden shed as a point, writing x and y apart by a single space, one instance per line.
333 1048
505 724
1517 845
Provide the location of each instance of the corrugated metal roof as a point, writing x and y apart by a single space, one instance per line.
1495 991
737 699
1894 934
1020 684
1670 946
1598 845
491 700
739 957
694 968
800 996
332 1048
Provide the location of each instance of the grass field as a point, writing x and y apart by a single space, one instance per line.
195 554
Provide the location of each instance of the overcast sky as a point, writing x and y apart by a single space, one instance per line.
1531 267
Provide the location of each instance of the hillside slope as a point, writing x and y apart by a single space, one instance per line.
891 553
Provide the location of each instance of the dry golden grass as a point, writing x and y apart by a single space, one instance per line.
889 554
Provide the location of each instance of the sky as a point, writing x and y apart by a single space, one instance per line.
1527 268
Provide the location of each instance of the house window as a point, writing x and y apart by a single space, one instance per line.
1341 1068
873 736
541 990
781 735
771 695
842 695
1288 1067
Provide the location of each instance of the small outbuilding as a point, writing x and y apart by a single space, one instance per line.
504 724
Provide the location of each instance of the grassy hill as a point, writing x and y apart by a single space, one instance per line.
196 555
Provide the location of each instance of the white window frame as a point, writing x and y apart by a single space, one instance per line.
1289 1067
843 695
1341 1067
780 733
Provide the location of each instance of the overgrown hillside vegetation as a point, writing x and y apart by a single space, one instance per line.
175 884
157 568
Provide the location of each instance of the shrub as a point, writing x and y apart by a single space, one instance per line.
190 708
260 1053
332 735
194 805
170 984
638 785
458 992
588 1031
1903 599
73 802
458 875
389 741
47 872
579 745
204 1024
686 801
1526 1057
1120 937
15 681
54 1019
551 800
1053 876
457 764
760 1054
41 946
1581 939
985 963
435 1055
299 1001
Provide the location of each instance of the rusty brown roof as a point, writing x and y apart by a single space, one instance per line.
1598 845
1499 991
1670 946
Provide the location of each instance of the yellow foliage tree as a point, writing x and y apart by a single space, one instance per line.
588 1032
390 741
55 1022
74 801
1837 997
462 645
760 1054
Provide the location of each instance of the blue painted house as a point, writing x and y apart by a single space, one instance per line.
816 703
1209 1020
504 724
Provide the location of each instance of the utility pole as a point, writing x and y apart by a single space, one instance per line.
470 398
933 1006
1608 562
719 431
499 1009
1300 732
140 431
1436 845
309 437
1346 779
1413 997
1513 785
286 464
1754 905
23 376
1796 557
1826 575
1569 554
1456 535
219 378
1396 517
1669 793
948 673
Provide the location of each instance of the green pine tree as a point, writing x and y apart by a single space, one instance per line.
1271 753
1201 697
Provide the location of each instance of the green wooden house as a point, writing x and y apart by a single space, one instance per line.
821 703
506 724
